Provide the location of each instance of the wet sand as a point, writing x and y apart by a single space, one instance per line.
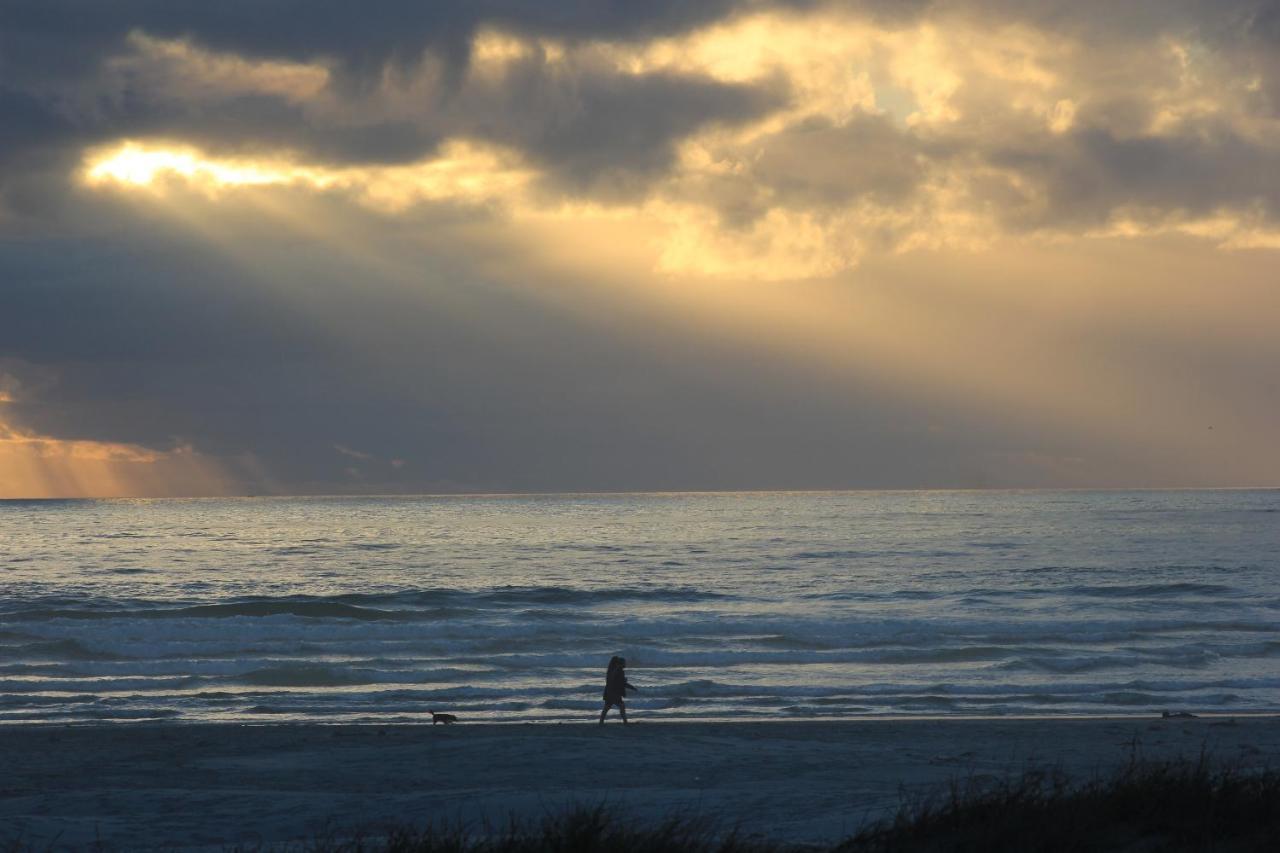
193 785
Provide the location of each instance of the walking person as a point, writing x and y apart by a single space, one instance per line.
616 687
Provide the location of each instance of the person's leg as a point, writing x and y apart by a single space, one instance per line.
604 711
622 709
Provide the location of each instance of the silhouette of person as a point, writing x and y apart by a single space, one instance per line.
616 687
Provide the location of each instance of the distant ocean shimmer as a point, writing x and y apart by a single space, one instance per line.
727 606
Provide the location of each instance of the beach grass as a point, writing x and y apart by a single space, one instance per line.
1165 806
1142 808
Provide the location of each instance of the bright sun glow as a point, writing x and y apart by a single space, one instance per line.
141 165
461 171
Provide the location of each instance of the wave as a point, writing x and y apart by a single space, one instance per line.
403 605
56 650
307 674
304 608
64 684
519 640
509 595
1150 590
304 676
832 555
1099 663
888 596
131 713
978 595
872 554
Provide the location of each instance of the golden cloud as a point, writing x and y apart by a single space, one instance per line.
941 83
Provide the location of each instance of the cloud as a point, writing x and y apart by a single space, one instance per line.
33 465
620 245
817 164
1021 116
1087 177
355 86
178 69
298 30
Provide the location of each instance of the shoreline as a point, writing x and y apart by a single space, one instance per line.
400 720
189 784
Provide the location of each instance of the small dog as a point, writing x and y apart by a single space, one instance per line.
442 718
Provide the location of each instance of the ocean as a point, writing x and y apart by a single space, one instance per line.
726 606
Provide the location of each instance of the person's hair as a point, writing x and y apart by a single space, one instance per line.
615 662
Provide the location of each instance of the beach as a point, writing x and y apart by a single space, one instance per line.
210 785
203 674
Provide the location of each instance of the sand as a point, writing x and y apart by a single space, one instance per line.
192 785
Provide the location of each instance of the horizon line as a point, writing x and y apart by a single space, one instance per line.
649 492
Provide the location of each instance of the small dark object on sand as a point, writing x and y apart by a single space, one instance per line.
1178 715
442 718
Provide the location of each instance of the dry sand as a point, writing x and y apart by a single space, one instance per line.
175 785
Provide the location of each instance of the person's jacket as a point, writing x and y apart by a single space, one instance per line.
616 684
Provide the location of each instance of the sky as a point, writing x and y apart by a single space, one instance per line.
325 247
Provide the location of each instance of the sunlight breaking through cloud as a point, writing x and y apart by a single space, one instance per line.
463 172
893 137
1012 217
41 466
140 164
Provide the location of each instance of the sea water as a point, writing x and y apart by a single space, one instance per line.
726 606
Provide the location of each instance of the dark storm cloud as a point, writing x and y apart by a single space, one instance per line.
28 121
583 124
590 127
57 39
601 130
